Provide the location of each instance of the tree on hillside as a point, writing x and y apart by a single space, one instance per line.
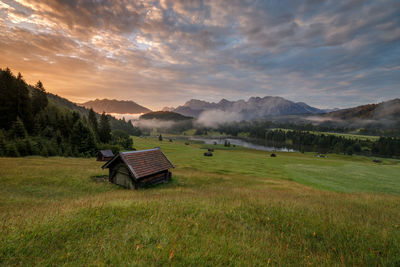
14 100
120 124
17 129
76 116
93 121
39 98
82 139
24 104
122 138
104 129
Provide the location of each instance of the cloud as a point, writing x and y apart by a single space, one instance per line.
153 123
213 118
161 53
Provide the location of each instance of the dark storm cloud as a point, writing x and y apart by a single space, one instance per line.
326 53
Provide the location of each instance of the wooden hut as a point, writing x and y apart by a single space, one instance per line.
104 155
135 169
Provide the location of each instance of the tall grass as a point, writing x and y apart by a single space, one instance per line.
238 208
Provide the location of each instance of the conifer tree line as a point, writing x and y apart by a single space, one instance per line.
30 124
303 139
327 143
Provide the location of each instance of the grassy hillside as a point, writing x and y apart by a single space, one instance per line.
115 106
239 207
350 136
345 135
385 110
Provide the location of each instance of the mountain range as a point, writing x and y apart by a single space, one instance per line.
115 106
253 108
256 108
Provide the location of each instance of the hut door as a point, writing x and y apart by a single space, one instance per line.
123 179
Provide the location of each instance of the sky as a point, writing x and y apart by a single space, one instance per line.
327 53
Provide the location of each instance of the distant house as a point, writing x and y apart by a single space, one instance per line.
135 169
104 155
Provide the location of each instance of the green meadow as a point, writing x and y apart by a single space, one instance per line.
351 136
360 137
240 207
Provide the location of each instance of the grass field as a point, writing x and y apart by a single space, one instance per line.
239 208
350 136
345 135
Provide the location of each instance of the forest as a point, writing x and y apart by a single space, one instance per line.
303 138
33 124
326 143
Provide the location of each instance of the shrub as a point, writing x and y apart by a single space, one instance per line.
11 150
349 150
21 147
44 152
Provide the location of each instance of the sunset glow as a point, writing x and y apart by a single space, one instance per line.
163 53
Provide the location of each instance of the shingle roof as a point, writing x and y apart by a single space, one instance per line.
107 153
144 162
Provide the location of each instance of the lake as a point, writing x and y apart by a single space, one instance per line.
256 144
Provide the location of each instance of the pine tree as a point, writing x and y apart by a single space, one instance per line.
82 138
39 98
122 138
24 103
104 129
8 99
17 129
93 121
75 117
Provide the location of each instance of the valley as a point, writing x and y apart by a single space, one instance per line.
289 210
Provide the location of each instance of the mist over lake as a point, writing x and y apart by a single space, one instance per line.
242 143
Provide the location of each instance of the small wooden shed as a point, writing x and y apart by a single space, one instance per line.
135 169
104 155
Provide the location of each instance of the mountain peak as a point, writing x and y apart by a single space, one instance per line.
224 101
254 107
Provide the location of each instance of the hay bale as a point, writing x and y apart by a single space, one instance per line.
211 149
273 155
208 154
